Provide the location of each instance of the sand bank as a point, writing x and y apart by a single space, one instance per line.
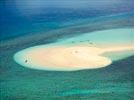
66 58
86 51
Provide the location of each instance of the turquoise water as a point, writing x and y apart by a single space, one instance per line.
22 26
104 38
112 82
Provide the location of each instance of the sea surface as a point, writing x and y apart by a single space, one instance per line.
29 23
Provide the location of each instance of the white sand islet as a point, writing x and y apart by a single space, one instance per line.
66 58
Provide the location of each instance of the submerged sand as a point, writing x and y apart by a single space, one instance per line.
66 58
87 51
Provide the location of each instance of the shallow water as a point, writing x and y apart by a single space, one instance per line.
103 38
115 81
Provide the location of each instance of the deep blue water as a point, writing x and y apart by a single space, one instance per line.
19 17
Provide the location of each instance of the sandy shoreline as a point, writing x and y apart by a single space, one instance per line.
66 58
